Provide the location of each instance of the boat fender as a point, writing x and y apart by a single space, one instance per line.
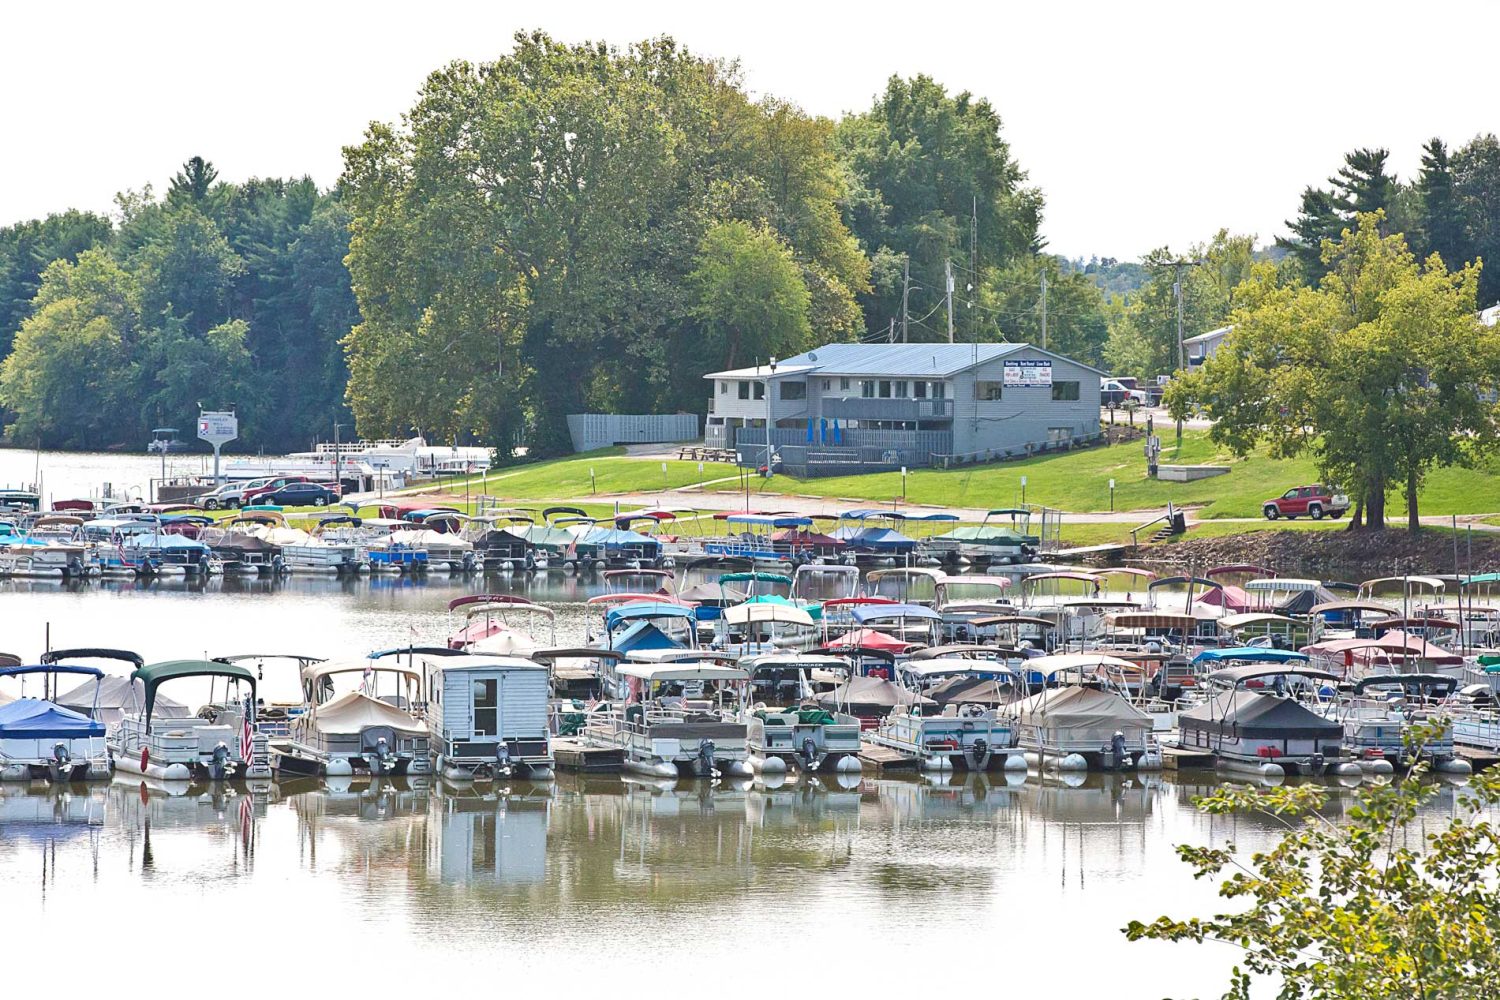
809 752
145 757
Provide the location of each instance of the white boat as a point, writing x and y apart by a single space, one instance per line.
47 549
1252 723
218 743
1074 724
41 739
681 719
488 716
1379 713
789 731
359 731
956 724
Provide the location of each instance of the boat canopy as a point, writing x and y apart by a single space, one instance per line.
785 661
973 651
155 674
869 640
50 668
479 610
473 661
459 602
941 665
646 611
327 668
997 620
770 520
1233 622
110 698
870 694
1335 607
34 719
878 612
680 671
1239 675
1285 584
768 612
1250 654
1150 619
1426 685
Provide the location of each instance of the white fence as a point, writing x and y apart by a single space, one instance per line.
600 430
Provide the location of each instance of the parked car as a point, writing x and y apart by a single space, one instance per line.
300 495
225 496
1317 502
1114 392
265 486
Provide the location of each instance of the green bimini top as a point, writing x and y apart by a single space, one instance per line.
155 674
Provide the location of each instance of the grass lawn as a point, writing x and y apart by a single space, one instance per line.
1072 481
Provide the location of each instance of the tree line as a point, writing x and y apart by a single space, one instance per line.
228 295
583 227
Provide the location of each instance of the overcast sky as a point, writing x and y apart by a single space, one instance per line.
1144 124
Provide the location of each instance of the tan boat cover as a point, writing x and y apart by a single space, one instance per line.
354 712
506 642
1076 708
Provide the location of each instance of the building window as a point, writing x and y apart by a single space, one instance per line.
901 390
1065 392
1059 435
988 392
744 390
827 384
885 389
794 390
843 383
723 387
867 388
486 704
919 390
760 390
940 390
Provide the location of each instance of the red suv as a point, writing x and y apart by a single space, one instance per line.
1317 502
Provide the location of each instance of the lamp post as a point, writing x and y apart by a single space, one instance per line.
1111 496
1023 491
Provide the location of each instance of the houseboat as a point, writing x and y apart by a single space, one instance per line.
488 717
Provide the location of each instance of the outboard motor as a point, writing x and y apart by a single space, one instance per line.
502 759
61 763
706 759
384 759
1117 750
981 748
809 754
219 766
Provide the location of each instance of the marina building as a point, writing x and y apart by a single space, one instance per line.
846 408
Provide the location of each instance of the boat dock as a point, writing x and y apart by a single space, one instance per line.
1178 759
576 757
1479 760
883 759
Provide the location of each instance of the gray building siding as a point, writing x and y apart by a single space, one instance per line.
1023 415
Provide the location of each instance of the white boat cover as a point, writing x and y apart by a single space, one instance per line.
119 697
506 642
419 538
1077 708
355 712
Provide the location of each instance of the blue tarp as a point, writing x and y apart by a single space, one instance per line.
1250 654
643 635
875 539
34 719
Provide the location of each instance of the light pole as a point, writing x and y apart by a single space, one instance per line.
1023 491
1111 496
768 415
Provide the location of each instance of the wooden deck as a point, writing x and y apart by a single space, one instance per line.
572 755
1178 759
1479 760
882 759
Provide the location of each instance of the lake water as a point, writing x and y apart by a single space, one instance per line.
889 886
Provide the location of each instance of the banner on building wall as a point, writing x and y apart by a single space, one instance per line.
1023 374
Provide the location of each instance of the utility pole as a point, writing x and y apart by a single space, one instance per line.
905 295
948 273
890 338
1177 291
973 268
337 482
1044 310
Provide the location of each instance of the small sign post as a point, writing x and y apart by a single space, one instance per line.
217 427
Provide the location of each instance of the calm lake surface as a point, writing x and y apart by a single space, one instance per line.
879 886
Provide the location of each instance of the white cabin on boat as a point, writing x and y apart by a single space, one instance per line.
488 716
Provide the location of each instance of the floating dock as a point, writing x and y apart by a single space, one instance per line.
884 759
576 757
1479 760
1178 759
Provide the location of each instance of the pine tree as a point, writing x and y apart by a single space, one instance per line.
1362 184
1318 219
1442 217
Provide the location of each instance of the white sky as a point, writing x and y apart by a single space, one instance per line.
1144 124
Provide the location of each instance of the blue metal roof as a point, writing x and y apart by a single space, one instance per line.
936 360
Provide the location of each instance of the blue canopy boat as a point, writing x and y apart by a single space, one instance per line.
40 739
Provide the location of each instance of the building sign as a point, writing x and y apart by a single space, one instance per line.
217 427
1028 374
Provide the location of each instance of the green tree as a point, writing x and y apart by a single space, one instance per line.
749 295
1010 300
1476 177
923 162
1361 185
1442 223
26 249
71 376
1381 905
1378 372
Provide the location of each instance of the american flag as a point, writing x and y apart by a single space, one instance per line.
246 736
